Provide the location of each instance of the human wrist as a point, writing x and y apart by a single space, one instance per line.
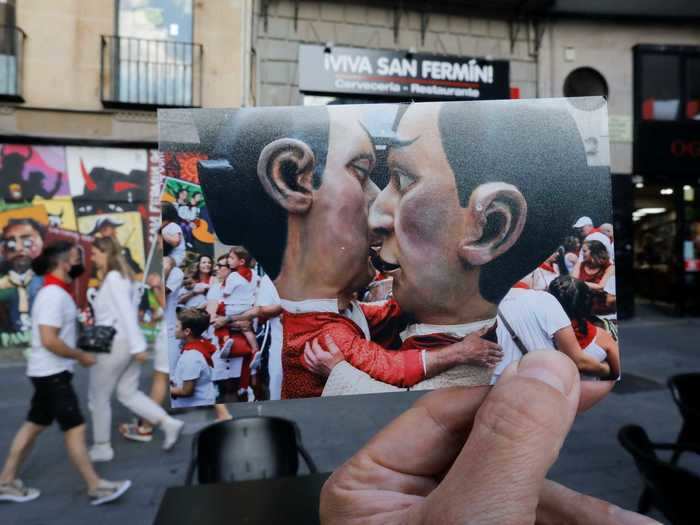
438 361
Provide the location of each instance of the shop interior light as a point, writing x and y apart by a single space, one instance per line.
641 212
666 191
687 187
639 185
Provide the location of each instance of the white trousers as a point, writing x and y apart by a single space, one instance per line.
118 370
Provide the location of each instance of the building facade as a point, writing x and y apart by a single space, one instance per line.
80 85
552 49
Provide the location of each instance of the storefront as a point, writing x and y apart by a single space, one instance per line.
341 75
667 175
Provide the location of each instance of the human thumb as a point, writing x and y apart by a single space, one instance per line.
517 434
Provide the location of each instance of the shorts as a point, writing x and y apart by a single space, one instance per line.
228 390
55 399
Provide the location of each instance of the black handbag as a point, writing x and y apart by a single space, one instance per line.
97 339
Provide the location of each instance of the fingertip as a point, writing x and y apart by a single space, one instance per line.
552 368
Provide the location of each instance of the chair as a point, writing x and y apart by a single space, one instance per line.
247 448
685 389
671 489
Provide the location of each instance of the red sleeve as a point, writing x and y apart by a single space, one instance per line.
403 368
399 368
385 322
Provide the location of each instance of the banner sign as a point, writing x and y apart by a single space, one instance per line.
383 73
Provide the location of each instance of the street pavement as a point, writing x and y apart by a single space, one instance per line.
654 347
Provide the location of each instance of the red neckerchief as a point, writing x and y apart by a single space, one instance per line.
428 341
50 279
522 285
584 339
203 347
431 341
245 272
548 267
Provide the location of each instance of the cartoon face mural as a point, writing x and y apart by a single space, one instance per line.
46 193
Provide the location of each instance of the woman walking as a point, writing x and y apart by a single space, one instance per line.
114 306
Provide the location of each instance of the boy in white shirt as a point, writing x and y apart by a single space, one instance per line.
191 383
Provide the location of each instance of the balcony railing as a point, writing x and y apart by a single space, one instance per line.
140 73
11 60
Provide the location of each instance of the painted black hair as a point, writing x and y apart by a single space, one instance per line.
241 211
535 146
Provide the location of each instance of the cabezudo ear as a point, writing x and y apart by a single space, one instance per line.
285 169
496 215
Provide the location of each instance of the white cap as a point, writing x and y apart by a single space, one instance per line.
583 221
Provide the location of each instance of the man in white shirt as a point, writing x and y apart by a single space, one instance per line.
269 300
538 320
50 369
587 232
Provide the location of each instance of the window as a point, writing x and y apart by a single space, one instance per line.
155 19
585 82
152 56
11 38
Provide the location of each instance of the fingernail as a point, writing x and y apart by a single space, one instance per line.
625 517
549 368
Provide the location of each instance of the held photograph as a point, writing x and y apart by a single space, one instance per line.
386 247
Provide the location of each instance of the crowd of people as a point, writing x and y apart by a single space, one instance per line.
219 315
228 312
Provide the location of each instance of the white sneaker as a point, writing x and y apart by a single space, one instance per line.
171 427
251 395
108 491
101 452
16 491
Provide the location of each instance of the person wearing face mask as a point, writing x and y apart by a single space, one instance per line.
119 370
50 368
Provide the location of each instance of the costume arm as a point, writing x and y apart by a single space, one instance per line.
400 368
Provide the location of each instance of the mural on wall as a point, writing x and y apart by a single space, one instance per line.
107 180
126 228
23 234
183 165
61 212
76 193
30 172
